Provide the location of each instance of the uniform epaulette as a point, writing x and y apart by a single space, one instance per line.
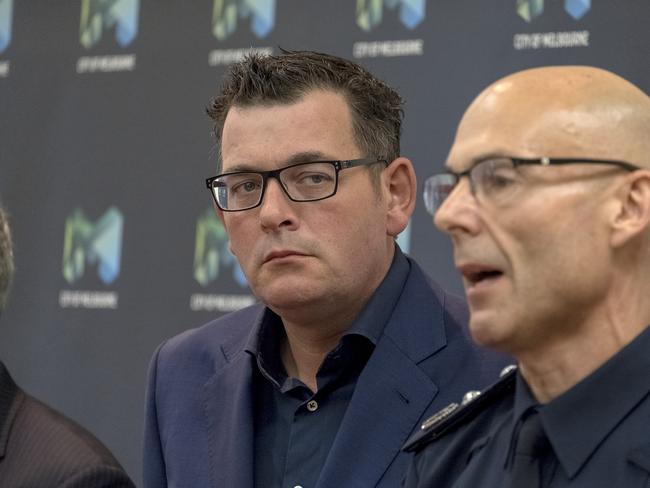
455 414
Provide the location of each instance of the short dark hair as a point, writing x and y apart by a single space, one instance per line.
6 259
262 80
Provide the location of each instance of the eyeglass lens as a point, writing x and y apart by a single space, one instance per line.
301 182
494 178
436 189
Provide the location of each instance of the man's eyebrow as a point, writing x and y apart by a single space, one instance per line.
241 167
477 159
307 157
301 157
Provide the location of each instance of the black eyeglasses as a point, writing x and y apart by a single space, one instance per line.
302 182
496 178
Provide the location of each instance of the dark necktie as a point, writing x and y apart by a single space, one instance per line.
532 445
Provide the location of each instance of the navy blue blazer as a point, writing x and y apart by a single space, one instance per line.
199 403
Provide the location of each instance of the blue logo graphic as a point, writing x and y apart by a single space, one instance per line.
6 7
531 9
87 243
577 8
370 12
97 15
226 13
211 252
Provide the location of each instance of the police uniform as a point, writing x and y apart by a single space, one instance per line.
597 433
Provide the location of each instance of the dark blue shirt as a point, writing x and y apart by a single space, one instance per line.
295 428
599 433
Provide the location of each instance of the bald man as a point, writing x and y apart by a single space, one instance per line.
547 203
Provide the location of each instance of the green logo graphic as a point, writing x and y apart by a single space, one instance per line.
94 244
97 15
531 9
211 252
226 13
370 12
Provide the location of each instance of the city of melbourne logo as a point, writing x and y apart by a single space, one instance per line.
100 15
211 252
529 10
226 14
95 244
370 12
6 7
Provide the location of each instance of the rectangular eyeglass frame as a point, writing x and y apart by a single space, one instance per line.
339 165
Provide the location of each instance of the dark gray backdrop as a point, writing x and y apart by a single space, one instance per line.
138 140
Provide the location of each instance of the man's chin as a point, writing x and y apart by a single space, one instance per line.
487 330
287 295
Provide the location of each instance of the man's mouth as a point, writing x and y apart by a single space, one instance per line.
479 274
280 254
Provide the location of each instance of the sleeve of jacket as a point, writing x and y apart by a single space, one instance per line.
99 477
153 462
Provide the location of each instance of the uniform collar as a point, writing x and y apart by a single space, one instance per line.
524 401
579 420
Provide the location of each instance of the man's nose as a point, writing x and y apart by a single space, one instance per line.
276 209
458 213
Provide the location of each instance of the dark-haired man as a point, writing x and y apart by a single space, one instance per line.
352 346
547 202
39 447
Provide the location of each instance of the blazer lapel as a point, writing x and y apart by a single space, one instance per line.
392 393
228 408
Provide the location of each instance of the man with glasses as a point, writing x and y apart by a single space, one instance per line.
351 347
547 201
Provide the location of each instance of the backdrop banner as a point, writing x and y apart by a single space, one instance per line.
105 146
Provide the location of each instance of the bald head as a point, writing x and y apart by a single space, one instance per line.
551 226
549 215
560 111
6 258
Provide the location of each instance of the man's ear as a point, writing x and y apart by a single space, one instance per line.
632 215
400 184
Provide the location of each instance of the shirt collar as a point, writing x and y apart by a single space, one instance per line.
524 398
268 333
576 422
524 401
621 383
370 323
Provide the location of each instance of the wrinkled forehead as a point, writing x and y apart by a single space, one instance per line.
555 113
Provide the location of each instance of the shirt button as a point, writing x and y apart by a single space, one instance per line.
312 406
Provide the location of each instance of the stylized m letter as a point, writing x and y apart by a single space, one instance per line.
226 13
97 15
370 12
98 244
6 7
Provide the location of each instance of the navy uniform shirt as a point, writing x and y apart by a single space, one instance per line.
294 427
599 432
